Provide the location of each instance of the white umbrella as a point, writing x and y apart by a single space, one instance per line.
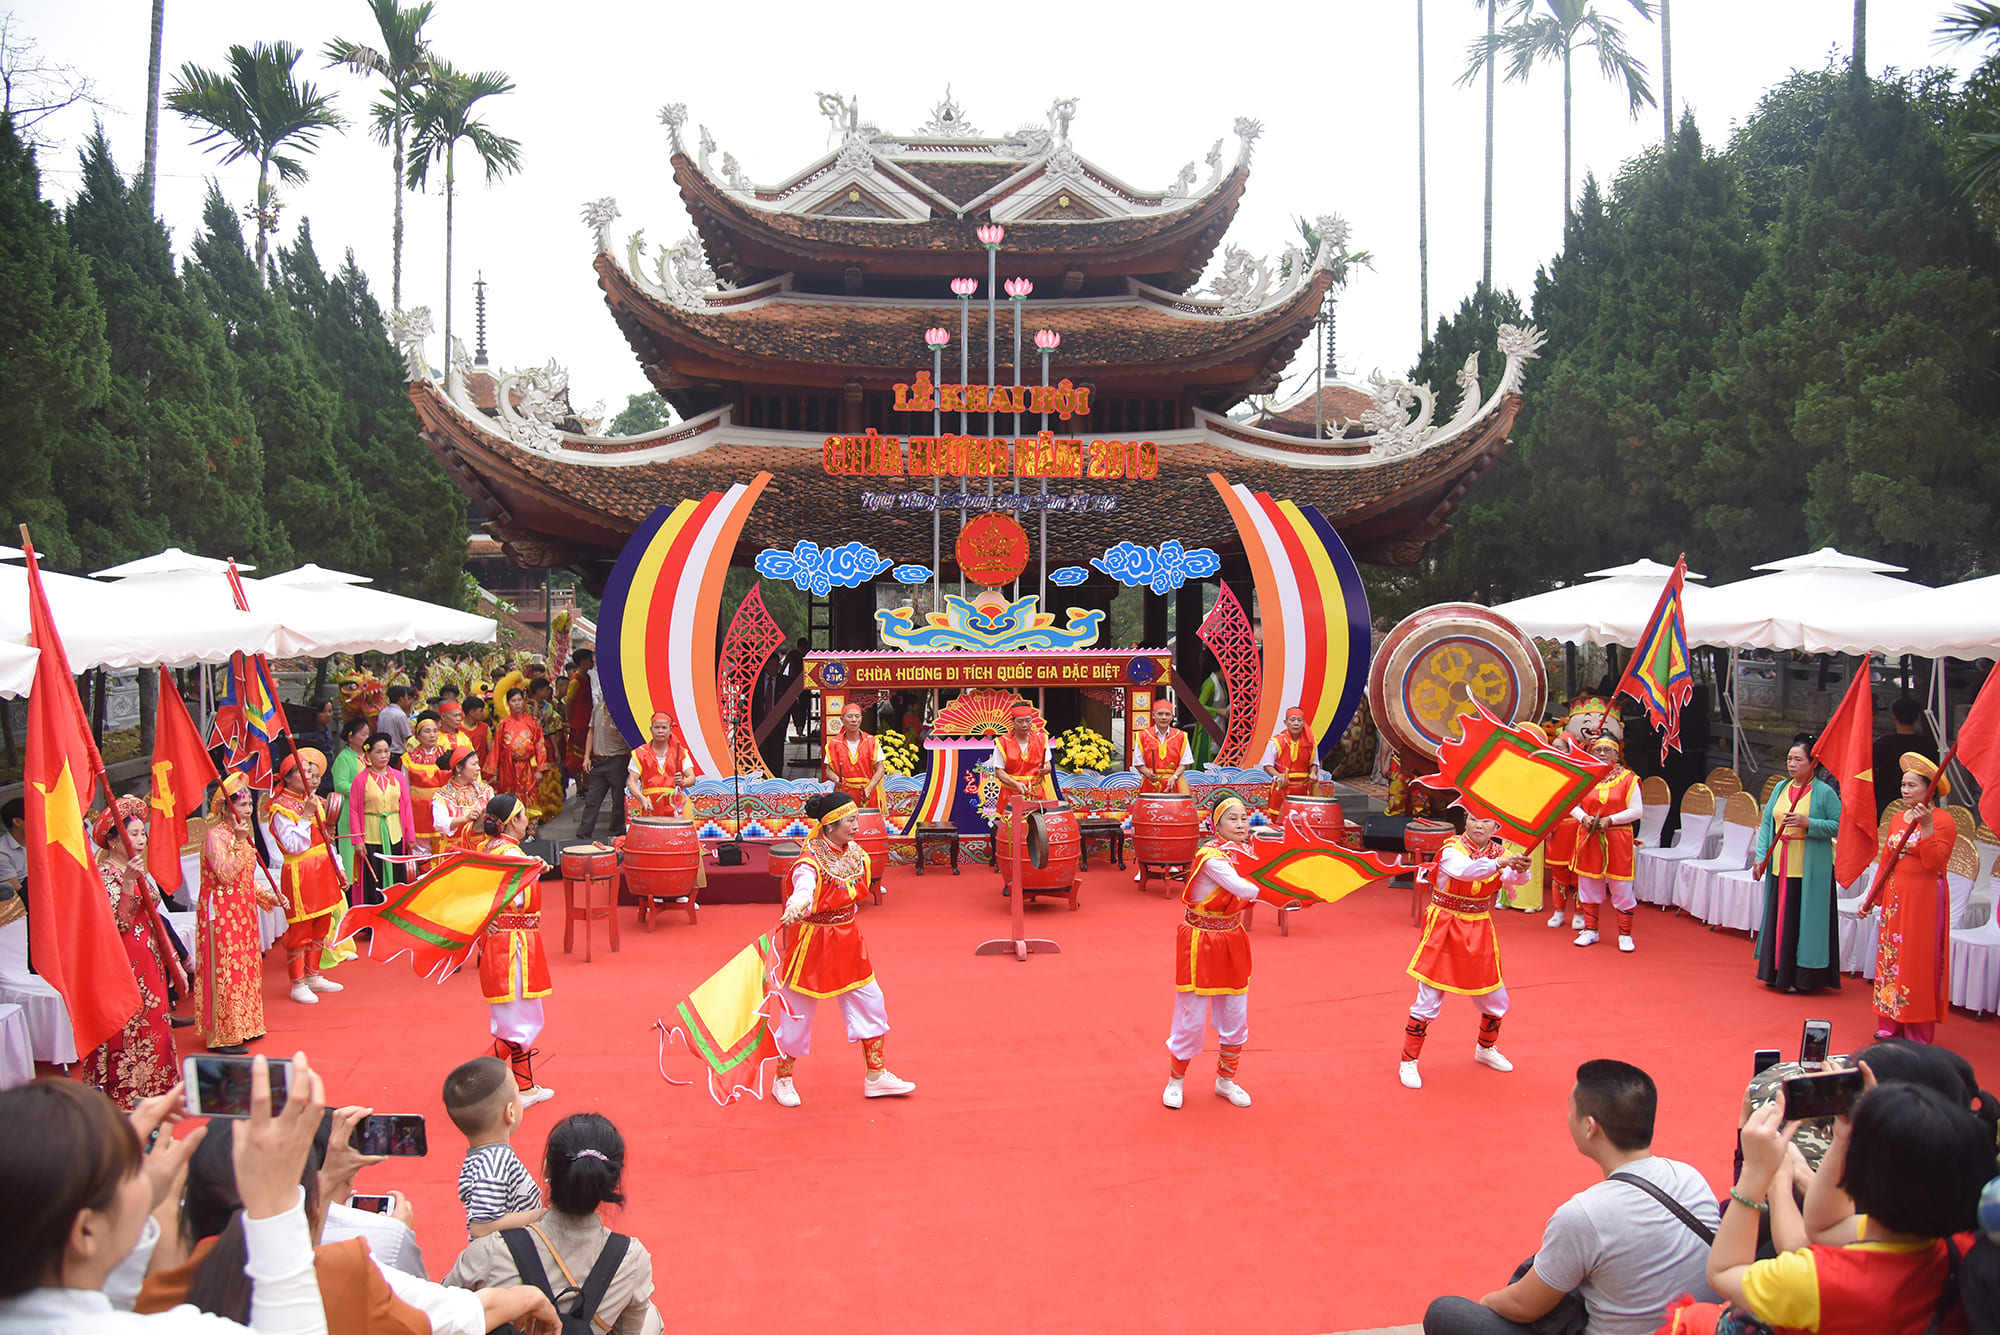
1772 611
1956 621
1612 608
172 561
17 668
367 618
121 626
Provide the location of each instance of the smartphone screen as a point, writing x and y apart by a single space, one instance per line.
219 1085
1814 1042
1830 1094
372 1204
400 1134
1763 1059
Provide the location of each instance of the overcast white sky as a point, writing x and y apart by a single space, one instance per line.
1334 84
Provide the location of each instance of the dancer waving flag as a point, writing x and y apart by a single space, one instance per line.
1658 675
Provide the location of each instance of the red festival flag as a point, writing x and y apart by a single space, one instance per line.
1658 675
1979 749
1847 748
71 934
182 771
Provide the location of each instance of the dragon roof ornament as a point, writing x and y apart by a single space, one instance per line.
1400 420
409 330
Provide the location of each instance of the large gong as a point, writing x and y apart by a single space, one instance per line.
1436 662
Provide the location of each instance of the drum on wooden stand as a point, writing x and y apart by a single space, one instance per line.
662 861
872 833
783 855
1423 839
1053 846
589 862
1166 831
1323 817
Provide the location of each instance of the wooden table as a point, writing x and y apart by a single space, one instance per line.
1111 829
936 832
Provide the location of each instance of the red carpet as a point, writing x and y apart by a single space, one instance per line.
1034 1182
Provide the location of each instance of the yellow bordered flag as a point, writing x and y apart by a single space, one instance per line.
438 918
1296 870
1658 674
726 1022
1509 774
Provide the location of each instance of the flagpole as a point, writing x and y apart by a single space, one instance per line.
1896 853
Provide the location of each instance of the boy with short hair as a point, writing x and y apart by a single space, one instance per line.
493 1184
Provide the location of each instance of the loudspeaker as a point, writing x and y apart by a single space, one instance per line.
1384 834
547 851
729 855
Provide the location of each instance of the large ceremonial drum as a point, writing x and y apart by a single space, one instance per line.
1057 848
661 857
1166 829
1446 661
783 855
1322 816
1422 839
872 833
589 862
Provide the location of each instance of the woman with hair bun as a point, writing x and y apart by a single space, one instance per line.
513 968
823 953
584 1162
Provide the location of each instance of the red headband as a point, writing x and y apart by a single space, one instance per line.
1021 711
1295 713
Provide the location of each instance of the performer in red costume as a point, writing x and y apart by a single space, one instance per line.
513 970
853 761
1212 958
1604 854
426 768
660 771
824 955
1163 753
1021 756
314 890
1584 723
1459 951
458 811
1290 758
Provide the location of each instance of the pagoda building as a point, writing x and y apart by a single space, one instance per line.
807 314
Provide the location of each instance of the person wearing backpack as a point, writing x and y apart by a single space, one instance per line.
601 1282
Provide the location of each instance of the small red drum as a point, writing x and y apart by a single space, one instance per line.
661 857
1166 829
589 862
1422 839
1063 842
1322 816
872 833
782 857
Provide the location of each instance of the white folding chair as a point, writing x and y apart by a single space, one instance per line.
1653 879
1858 935
1736 901
1694 880
1651 821
49 1031
1975 969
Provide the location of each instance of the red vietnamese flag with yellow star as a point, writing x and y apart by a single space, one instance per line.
1847 747
182 771
71 935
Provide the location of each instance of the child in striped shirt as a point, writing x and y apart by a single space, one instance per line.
493 1184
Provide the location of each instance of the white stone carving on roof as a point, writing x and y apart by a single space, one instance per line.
673 116
947 120
409 330
598 215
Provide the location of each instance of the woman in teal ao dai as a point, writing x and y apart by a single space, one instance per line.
1798 948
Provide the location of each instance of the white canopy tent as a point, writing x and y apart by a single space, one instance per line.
1611 609
1772 611
17 668
1956 621
114 626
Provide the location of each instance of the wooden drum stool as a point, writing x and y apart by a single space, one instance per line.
585 867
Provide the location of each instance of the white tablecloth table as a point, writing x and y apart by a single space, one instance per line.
49 1034
17 1052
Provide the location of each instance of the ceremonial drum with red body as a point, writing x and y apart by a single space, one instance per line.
1445 661
1057 849
661 857
1423 839
1322 816
783 855
872 833
1166 829
589 862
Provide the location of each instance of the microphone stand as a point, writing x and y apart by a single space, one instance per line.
731 854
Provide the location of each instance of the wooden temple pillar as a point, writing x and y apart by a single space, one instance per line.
1153 620
1189 652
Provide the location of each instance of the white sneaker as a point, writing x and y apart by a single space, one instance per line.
303 994
1407 1073
1491 1057
1576 922
1585 938
887 1085
1556 918
1626 944
536 1094
1172 1098
784 1093
1232 1091
321 983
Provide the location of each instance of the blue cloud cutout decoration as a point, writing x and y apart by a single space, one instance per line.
810 567
911 574
1162 569
1067 576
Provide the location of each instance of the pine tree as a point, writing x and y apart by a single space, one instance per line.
416 508
175 457
56 367
315 505
641 413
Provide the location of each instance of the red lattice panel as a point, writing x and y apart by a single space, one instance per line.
1228 634
753 637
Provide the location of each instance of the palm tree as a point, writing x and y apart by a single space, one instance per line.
1979 143
1666 74
1486 263
153 103
439 119
1423 199
403 59
1529 38
258 110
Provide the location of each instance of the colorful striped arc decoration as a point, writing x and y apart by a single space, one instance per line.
660 622
1315 614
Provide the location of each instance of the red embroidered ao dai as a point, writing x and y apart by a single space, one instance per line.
138 1061
1913 958
229 996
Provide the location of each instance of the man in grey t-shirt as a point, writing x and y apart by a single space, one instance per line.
1622 1249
